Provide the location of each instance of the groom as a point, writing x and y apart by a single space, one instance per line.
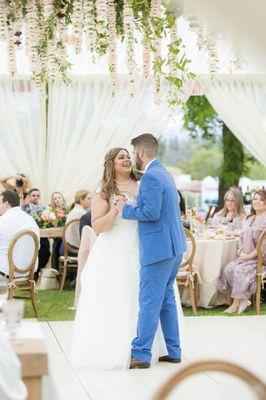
162 243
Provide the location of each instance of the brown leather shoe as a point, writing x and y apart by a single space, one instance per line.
169 359
134 363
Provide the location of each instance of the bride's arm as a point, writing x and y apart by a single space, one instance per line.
102 217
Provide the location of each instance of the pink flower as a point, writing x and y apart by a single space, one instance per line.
60 213
44 217
200 217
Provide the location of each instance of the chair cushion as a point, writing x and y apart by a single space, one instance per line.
183 274
69 259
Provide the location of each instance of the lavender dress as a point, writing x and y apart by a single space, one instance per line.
240 278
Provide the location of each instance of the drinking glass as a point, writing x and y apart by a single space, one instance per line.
3 293
13 313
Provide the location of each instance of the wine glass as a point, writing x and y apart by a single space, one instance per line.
13 311
3 293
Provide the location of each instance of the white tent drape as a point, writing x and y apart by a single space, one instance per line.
240 101
22 130
85 121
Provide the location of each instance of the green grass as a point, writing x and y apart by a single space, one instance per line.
203 312
52 306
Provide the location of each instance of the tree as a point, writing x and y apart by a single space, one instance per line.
201 120
204 162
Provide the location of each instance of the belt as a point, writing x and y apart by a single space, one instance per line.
4 275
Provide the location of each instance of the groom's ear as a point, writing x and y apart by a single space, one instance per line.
140 152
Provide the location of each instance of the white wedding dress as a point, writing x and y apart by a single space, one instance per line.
107 312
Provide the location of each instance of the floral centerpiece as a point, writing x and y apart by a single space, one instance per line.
50 217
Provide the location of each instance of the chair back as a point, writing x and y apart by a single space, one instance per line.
21 240
67 246
261 249
189 261
212 210
213 365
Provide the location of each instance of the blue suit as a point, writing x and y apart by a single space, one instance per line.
162 244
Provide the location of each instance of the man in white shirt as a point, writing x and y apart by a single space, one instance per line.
32 209
12 221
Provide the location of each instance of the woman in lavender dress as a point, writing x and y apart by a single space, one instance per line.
239 276
233 210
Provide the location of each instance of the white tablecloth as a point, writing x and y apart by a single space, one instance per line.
211 257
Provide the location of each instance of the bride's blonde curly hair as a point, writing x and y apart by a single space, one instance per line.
108 184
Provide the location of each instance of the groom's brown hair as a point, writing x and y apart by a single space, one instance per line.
148 143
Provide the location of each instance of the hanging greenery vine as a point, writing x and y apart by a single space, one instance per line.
47 27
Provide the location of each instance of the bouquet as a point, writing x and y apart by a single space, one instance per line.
50 217
53 217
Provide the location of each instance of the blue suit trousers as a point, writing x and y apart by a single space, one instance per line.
157 302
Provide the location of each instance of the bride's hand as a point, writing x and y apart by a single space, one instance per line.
114 207
120 201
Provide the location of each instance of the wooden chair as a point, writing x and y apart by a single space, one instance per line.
66 261
212 210
213 365
261 277
188 276
25 284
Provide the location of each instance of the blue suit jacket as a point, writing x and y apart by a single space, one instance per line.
158 214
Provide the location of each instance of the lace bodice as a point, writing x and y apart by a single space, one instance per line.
131 200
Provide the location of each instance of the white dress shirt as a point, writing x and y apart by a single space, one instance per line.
13 221
72 233
147 166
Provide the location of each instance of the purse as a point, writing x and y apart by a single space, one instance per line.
48 279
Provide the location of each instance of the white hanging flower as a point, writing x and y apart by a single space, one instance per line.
236 61
89 12
47 8
212 52
3 21
146 57
129 27
51 63
112 43
77 21
102 23
172 64
156 44
12 67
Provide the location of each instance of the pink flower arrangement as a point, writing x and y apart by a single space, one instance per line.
60 213
200 217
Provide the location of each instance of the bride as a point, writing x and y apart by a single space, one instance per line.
107 311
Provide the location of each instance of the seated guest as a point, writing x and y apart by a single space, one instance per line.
233 210
85 220
239 276
77 210
34 202
31 208
57 203
26 199
19 183
13 220
182 205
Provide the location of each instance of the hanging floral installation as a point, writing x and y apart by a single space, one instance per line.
45 28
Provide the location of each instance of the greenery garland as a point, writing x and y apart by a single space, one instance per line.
49 26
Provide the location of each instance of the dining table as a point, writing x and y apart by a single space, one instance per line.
211 256
51 233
